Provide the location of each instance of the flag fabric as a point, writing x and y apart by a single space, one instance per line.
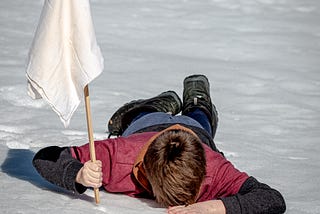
64 56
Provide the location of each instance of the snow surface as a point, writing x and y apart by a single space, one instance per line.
261 56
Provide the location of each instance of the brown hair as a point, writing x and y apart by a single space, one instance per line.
175 166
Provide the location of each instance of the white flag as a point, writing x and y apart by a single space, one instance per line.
64 56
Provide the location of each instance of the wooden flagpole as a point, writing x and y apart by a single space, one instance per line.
90 135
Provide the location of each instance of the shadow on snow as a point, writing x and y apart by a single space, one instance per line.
18 164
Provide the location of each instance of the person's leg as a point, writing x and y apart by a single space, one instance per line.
197 102
156 121
198 115
167 101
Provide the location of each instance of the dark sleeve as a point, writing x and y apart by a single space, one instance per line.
57 166
255 197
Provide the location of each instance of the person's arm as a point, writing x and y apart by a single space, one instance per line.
204 207
57 165
255 197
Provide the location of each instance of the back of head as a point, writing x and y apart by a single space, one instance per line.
175 165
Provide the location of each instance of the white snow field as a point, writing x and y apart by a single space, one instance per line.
261 56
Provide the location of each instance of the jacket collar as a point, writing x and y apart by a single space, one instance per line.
138 168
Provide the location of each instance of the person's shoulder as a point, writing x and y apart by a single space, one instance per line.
143 135
134 140
127 148
211 154
138 137
215 160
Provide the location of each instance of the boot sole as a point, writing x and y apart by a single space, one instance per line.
114 124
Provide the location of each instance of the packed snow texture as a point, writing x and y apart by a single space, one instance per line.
262 58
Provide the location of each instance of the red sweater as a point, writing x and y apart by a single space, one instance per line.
118 157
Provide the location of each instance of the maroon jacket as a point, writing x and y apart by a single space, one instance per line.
239 193
118 158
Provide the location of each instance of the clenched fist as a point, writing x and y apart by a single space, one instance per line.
90 175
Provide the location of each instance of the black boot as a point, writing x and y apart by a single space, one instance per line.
167 101
196 94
